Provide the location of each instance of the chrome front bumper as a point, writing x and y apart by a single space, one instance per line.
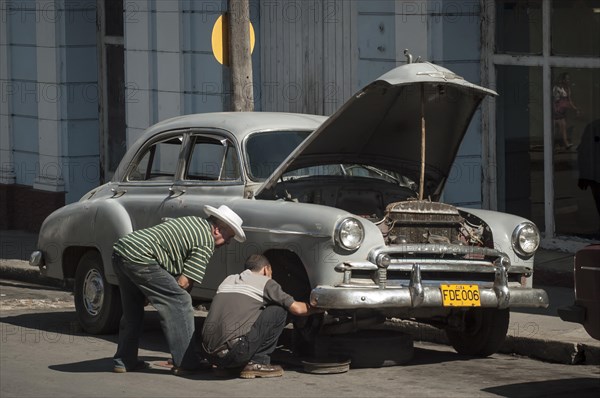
357 298
418 294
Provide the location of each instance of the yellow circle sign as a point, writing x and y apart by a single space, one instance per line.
220 40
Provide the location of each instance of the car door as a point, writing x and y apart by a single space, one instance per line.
147 186
211 175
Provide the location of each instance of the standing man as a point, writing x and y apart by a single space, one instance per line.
160 264
246 318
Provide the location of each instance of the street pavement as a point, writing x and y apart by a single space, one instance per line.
535 333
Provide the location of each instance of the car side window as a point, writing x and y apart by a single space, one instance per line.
213 160
159 162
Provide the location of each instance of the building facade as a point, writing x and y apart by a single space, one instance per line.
82 79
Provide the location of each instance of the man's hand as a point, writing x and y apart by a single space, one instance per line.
300 308
185 283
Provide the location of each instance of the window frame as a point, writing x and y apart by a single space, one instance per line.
547 62
165 136
216 136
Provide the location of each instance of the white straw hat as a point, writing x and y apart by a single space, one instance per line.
230 218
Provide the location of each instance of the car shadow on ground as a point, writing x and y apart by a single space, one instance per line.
55 325
157 366
102 365
585 387
431 354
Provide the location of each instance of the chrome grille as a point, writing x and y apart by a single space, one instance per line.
437 262
422 222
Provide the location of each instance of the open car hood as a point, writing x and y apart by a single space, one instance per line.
381 126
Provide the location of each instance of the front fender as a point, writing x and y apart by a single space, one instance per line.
304 229
111 222
502 226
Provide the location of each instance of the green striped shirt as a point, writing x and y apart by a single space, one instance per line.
181 246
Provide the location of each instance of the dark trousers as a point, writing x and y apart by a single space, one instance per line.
260 342
174 306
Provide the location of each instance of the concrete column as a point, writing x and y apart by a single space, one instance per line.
169 59
139 69
50 78
7 165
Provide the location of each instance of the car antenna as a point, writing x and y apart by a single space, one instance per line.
409 60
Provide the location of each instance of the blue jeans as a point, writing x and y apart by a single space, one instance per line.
260 342
174 306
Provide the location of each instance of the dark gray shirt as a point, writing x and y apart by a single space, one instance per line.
237 305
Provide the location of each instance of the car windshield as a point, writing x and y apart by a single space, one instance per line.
266 151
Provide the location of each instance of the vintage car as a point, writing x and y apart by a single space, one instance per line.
346 208
586 309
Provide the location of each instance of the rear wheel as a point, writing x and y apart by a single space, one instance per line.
483 333
97 302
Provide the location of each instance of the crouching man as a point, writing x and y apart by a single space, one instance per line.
246 317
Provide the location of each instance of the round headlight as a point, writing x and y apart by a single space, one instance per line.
349 233
526 239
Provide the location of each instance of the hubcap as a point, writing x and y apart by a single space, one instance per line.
93 292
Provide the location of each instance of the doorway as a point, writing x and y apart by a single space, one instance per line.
111 83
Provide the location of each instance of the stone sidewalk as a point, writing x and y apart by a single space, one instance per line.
536 333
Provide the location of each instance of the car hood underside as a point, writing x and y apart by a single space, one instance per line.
384 124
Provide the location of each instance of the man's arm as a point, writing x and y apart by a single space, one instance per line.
274 293
301 308
194 266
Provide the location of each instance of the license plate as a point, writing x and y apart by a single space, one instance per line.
460 295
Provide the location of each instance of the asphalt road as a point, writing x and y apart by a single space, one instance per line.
45 354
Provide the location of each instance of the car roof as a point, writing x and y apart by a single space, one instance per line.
239 123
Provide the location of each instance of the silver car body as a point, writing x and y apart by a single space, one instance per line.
380 127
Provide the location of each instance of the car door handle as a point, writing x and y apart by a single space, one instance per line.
175 192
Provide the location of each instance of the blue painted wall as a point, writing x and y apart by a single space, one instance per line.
457 26
207 87
445 33
76 92
81 153
21 20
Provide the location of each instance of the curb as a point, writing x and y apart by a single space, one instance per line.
558 278
542 349
552 351
21 271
